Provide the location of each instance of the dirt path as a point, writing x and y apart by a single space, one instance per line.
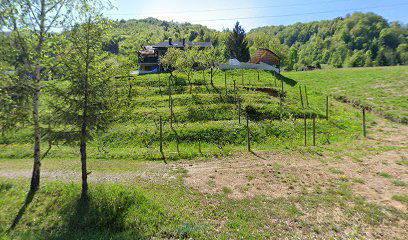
376 177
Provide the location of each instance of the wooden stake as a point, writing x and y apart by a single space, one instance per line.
280 105
274 75
314 130
199 146
307 99
169 91
235 91
239 110
282 87
130 87
161 139
305 129
258 76
327 107
301 96
364 123
225 79
171 113
248 133
161 93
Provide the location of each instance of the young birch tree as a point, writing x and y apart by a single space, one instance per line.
31 24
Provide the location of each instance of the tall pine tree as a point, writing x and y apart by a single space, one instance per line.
237 45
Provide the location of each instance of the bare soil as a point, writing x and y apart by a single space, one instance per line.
283 174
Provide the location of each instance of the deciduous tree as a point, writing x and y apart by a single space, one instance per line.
31 24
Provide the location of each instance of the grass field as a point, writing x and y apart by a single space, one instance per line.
345 187
383 89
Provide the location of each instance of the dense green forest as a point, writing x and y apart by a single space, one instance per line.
360 39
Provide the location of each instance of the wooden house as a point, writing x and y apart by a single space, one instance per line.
149 57
265 56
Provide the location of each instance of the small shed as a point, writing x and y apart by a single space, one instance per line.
265 56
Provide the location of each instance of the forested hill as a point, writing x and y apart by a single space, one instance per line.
360 39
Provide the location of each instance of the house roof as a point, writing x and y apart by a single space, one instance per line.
180 44
266 56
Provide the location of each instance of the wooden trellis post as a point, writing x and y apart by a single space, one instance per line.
274 75
327 107
161 139
307 98
130 87
170 91
225 79
305 126
171 113
314 130
235 91
248 133
280 105
364 123
239 110
301 96
282 86
199 146
161 93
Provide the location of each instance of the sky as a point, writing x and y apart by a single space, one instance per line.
222 14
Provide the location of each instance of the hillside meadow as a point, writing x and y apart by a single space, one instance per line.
212 187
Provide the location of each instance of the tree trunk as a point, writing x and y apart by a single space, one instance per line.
35 179
83 137
83 160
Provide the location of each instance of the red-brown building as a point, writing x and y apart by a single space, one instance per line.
265 56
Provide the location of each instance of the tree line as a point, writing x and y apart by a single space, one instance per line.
357 40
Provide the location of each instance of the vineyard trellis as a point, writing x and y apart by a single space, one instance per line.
310 112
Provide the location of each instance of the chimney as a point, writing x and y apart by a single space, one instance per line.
184 41
170 41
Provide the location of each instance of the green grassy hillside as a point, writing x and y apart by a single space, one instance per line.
383 89
156 203
206 122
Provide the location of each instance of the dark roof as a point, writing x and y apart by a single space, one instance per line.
180 44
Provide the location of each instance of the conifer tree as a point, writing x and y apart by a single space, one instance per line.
237 45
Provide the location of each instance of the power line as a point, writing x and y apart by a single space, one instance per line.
299 14
233 9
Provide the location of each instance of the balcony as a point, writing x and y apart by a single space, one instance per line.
148 60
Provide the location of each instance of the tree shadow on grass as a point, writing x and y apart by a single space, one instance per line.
287 80
28 200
